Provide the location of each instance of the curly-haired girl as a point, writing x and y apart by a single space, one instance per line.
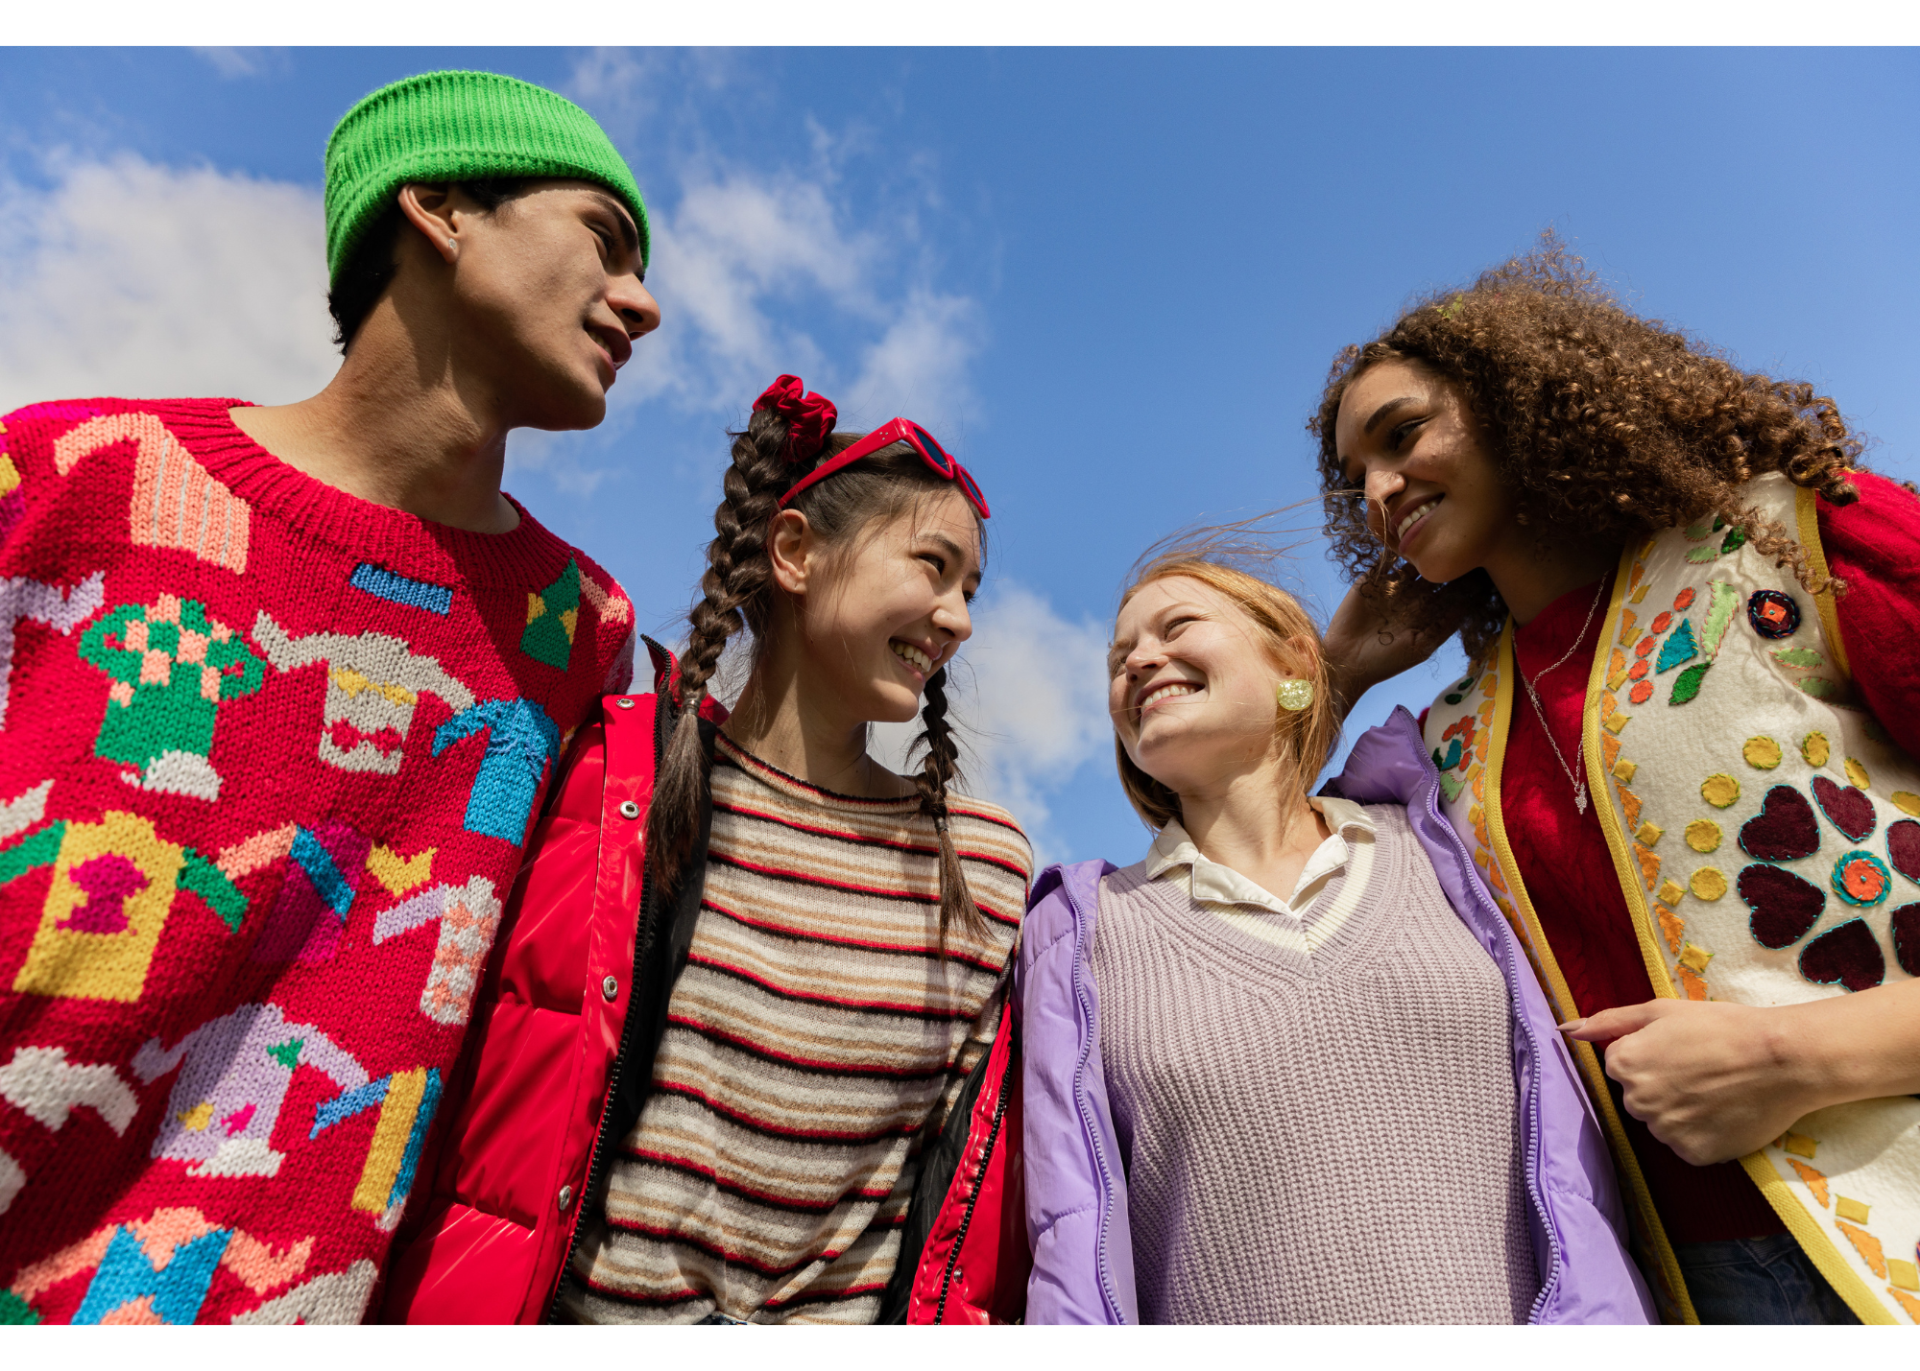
742 1058
1683 753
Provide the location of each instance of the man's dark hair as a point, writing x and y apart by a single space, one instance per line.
370 267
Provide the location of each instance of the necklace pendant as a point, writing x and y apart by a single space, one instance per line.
1580 798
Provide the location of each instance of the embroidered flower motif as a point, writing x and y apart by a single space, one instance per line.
1773 614
1861 878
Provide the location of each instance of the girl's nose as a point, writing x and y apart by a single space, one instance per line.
1381 486
953 616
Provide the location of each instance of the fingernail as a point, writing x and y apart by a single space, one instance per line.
1570 1025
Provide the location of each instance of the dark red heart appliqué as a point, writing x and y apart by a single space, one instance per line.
1903 848
1784 830
1845 954
1848 807
1906 938
1784 906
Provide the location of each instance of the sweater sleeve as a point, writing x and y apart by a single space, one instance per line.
1874 546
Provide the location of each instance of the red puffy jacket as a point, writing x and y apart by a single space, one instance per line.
560 1057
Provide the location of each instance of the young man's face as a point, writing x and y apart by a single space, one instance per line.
547 300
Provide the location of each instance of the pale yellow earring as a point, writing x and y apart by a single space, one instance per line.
1295 694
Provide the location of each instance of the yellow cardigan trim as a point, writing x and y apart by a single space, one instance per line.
1658 975
1806 505
1583 1053
1813 1240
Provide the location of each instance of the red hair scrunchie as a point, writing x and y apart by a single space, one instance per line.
810 417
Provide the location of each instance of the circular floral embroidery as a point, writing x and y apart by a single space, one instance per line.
1772 614
1861 878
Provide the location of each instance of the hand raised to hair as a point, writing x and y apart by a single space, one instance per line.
1372 639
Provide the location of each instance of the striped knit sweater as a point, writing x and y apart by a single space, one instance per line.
813 1034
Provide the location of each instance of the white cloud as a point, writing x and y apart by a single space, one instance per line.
775 270
919 366
1031 701
127 278
237 63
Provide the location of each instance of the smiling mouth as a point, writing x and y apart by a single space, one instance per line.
1414 516
912 656
617 346
1167 690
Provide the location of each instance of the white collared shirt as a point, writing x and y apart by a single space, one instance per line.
1300 925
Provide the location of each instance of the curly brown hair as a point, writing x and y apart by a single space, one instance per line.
1600 421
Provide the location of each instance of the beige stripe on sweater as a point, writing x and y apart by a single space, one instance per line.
814 1033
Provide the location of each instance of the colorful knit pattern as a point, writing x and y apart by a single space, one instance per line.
255 736
814 1031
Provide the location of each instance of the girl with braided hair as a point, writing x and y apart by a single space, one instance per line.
1683 754
794 1093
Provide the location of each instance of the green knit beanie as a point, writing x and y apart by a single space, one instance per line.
454 125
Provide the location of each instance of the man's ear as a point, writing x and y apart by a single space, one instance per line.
791 545
429 207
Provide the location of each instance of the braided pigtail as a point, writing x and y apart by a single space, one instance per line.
734 596
938 770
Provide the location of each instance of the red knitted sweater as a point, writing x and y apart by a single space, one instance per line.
268 754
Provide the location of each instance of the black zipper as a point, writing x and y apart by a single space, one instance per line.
596 1159
966 1217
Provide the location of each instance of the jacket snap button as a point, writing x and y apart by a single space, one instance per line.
629 810
610 988
566 1197
624 702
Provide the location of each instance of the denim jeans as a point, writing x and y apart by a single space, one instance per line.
1758 1280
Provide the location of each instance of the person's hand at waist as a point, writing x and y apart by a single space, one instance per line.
1715 1081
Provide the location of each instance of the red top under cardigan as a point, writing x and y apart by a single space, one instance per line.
1874 545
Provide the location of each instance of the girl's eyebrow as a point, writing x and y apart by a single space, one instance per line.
1387 410
951 548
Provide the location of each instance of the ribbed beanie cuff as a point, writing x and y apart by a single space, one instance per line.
456 125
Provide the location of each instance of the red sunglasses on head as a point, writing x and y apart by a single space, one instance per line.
915 437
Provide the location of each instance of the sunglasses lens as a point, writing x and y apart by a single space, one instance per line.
933 451
971 487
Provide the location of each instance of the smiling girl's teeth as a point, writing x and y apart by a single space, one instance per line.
1167 691
1416 514
911 655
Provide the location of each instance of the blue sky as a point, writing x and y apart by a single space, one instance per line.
1111 280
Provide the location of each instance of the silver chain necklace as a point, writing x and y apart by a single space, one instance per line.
1579 784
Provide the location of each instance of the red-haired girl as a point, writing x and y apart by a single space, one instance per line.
742 1056
1683 754
1292 1067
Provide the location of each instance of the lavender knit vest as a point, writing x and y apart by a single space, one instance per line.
1314 1138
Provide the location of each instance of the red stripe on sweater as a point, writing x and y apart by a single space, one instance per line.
841 836
879 892
920 950
852 1292
767 1054
760 1197
732 1258
608 1292
905 1011
761 1126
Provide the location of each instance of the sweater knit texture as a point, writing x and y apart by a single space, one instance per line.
1324 1136
813 1035
268 755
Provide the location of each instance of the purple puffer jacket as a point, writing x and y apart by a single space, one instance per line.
1076 1184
